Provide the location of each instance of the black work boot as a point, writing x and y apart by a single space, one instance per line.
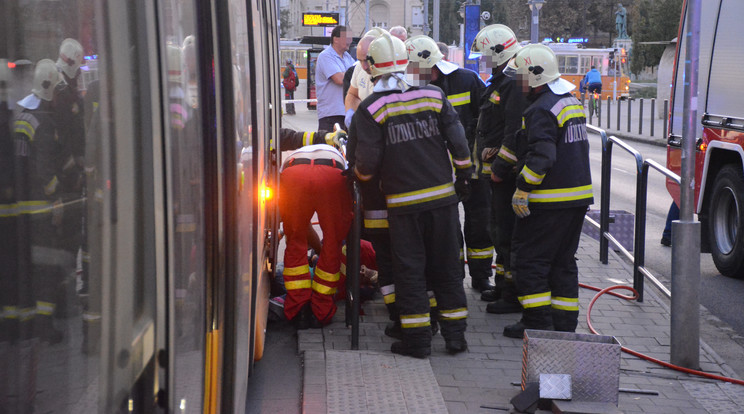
456 345
394 330
517 330
482 284
501 306
401 348
491 295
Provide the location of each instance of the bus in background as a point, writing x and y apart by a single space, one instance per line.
574 62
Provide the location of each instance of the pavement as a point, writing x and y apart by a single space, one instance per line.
484 379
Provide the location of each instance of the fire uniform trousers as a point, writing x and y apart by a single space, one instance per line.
464 89
404 137
375 226
499 125
556 171
43 261
311 182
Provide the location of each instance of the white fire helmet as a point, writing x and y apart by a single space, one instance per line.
424 51
539 63
71 57
387 54
46 78
497 42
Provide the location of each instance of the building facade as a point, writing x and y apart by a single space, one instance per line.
382 13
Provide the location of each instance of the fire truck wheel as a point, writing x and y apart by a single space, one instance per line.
726 221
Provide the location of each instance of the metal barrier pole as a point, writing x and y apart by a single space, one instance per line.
666 117
604 194
639 243
640 117
599 116
618 113
352 267
609 100
653 115
630 104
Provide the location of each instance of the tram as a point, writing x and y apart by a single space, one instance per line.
574 62
293 49
137 278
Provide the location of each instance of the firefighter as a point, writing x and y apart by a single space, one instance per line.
464 89
39 160
499 124
554 190
403 136
312 182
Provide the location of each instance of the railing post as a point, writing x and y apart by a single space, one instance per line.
604 197
609 100
630 104
640 117
599 117
353 261
653 115
618 113
666 117
639 243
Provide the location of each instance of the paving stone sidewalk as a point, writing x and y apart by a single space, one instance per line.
482 380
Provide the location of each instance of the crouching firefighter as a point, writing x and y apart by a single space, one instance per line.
554 189
403 136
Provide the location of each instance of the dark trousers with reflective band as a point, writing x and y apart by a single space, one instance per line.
479 248
544 265
377 231
502 228
425 246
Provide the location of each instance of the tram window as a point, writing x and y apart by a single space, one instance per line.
568 65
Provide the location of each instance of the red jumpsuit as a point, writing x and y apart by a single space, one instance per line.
311 182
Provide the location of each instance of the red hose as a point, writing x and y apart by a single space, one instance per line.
638 354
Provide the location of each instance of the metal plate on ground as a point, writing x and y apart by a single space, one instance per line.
372 382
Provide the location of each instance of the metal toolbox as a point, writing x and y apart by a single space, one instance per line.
592 361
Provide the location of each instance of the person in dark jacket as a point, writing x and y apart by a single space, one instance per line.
464 89
404 137
554 190
499 124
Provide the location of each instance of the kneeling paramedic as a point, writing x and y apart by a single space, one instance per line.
312 182
554 189
403 136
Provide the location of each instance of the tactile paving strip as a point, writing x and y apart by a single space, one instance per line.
371 382
717 398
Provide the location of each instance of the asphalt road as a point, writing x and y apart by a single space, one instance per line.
721 295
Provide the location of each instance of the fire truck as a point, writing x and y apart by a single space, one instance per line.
719 133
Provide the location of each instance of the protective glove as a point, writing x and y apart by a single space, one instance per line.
462 188
347 118
489 153
520 201
336 138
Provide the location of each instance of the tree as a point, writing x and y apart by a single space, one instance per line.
284 22
655 21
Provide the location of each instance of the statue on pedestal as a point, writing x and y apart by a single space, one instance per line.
621 22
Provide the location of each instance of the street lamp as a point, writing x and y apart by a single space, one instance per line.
535 6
